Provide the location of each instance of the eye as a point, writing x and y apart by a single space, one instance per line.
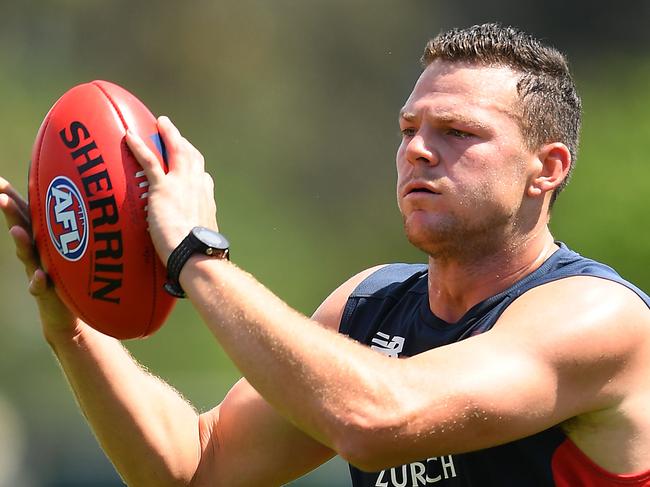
458 133
408 132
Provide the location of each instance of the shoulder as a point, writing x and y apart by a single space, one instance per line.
582 298
330 311
393 279
375 281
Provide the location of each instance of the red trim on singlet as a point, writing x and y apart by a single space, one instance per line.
572 468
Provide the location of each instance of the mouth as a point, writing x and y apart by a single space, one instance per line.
419 188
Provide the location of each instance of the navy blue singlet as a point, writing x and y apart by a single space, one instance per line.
389 311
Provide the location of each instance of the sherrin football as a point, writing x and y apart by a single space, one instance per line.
87 198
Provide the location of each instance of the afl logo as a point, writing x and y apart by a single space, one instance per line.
66 218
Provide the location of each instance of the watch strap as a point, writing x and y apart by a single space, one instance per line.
175 263
189 246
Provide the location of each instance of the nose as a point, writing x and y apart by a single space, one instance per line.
419 151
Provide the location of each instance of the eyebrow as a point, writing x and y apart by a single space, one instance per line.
446 118
408 116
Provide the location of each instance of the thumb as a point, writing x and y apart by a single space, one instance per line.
38 283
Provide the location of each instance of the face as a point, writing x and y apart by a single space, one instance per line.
462 166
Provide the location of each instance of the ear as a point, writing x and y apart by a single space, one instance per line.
553 163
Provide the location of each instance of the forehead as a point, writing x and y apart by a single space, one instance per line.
464 88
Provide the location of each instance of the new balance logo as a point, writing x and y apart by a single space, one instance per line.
383 343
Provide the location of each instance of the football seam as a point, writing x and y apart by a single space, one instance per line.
44 231
113 104
153 267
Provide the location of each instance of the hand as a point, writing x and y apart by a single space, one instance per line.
181 199
55 317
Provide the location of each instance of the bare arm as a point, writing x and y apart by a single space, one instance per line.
150 433
531 372
247 442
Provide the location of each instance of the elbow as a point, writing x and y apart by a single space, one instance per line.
163 476
160 479
362 455
177 464
157 472
375 425
403 432
369 442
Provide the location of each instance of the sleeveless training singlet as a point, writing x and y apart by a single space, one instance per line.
389 311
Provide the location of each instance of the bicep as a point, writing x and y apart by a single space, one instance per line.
246 442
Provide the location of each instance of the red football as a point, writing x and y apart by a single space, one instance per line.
88 197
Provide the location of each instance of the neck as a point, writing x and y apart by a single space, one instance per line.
457 284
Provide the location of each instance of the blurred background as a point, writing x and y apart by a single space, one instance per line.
294 105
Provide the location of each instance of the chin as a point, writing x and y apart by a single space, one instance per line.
433 238
450 238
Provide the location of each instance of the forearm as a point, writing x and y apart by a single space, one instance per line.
147 430
320 380
372 410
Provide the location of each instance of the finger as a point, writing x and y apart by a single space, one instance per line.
209 182
171 137
170 133
197 157
6 188
25 249
179 149
39 283
145 157
209 209
12 213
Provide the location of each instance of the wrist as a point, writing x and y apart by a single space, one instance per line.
200 268
199 241
58 336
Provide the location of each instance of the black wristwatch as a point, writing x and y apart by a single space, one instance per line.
200 240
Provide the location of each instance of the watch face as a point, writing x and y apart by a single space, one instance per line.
211 238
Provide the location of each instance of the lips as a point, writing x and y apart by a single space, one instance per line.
422 187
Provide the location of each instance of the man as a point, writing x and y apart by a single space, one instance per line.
522 362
